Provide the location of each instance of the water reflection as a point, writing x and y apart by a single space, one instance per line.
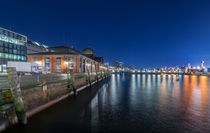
171 104
136 103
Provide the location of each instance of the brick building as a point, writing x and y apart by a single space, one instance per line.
62 59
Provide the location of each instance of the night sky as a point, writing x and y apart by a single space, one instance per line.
141 33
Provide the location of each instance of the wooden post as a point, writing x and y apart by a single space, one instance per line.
89 78
44 88
68 80
73 83
14 81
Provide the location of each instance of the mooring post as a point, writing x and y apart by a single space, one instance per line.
73 83
101 75
89 78
14 81
44 88
68 80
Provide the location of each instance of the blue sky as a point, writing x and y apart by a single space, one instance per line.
141 33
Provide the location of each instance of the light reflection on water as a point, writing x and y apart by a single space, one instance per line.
158 103
131 103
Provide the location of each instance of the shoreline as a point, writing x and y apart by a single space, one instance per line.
206 74
40 108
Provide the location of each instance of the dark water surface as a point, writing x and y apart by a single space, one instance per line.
131 103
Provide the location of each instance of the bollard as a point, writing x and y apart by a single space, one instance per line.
72 83
97 78
44 88
89 78
68 81
14 81
101 75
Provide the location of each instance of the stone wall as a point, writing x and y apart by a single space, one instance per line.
36 96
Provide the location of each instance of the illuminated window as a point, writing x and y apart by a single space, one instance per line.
6 56
58 64
15 57
47 63
70 59
35 59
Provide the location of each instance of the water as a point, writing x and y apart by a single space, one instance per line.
131 103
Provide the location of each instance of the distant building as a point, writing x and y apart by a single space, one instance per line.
189 66
12 47
118 64
202 65
35 47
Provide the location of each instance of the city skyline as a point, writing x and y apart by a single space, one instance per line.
138 33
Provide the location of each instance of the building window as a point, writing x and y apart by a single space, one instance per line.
1 43
35 59
6 50
83 65
71 63
10 51
71 59
58 64
47 63
1 49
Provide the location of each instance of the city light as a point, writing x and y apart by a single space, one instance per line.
66 63
38 62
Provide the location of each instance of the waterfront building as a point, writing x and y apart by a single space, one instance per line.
62 59
12 47
35 47
91 54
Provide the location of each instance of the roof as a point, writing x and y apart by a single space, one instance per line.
59 47
52 53
14 32
36 44
62 53
88 51
70 51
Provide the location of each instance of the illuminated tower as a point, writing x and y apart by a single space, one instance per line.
189 66
202 66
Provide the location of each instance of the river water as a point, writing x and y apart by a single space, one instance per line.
130 103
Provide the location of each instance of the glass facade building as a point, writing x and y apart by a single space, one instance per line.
12 47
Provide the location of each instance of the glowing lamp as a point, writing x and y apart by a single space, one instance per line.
66 63
39 62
